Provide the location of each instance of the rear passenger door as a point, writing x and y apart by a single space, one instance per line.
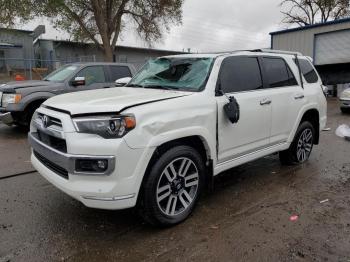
287 97
240 77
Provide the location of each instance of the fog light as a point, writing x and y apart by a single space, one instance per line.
91 166
102 164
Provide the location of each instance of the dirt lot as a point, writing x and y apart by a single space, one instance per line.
246 218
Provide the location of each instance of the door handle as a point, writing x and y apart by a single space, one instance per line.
299 96
265 102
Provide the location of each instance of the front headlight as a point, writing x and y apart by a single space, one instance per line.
10 99
106 126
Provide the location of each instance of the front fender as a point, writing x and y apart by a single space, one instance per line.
202 133
26 100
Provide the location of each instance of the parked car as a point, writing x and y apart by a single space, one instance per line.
19 100
345 101
180 121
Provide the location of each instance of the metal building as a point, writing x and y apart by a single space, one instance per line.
15 44
52 51
16 51
327 43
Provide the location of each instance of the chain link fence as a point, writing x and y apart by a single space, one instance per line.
12 69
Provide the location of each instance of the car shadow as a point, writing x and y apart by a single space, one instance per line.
12 132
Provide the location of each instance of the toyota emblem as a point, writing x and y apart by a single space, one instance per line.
46 121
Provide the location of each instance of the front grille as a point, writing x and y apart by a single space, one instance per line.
52 166
51 121
54 142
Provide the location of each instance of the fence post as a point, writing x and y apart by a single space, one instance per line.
30 69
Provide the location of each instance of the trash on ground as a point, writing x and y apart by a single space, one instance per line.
343 131
327 129
324 201
294 218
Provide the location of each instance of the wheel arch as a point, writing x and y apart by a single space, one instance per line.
197 142
313 116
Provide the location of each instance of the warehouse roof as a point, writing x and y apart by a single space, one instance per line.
16 30
338 21
118 46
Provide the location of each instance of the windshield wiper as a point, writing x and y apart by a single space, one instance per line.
162 87
135 85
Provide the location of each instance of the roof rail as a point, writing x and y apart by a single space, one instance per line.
277 51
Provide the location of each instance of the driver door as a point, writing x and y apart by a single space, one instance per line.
95 78
241 77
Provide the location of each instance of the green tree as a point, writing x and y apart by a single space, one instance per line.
308 12
100 21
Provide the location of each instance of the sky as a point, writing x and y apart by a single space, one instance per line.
208 26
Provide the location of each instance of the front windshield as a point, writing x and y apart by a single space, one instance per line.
187 74
61 74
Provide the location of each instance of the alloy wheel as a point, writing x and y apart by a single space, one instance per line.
177 186
304 146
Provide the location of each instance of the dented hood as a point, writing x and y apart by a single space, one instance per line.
109 100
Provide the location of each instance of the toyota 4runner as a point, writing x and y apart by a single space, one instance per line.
179 122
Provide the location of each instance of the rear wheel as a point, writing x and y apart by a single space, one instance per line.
301 147
173 186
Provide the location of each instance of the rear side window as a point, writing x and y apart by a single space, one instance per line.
308 71
239 74
278 72
118 72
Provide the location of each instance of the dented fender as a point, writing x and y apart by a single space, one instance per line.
165 121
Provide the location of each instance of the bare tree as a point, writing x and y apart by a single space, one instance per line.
100 21
308 12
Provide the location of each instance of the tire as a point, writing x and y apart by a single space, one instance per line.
22 120
301 147
344 110
172 187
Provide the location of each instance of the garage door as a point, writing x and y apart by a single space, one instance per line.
332 48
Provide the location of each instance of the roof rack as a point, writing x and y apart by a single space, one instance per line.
277 52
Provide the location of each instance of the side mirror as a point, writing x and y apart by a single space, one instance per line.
78 81
325 90
122 81
232 110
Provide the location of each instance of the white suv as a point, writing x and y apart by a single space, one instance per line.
178 123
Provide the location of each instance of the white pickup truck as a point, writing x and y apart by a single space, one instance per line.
179 122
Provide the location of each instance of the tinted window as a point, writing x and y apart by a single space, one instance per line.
278 73
240 74
93 74
308 71
61 74
118 72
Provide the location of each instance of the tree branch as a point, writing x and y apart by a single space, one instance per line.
75 17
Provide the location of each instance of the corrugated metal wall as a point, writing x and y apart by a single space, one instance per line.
332 48
303 40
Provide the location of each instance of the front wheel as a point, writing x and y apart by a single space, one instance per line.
344 110
173 186
301 147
